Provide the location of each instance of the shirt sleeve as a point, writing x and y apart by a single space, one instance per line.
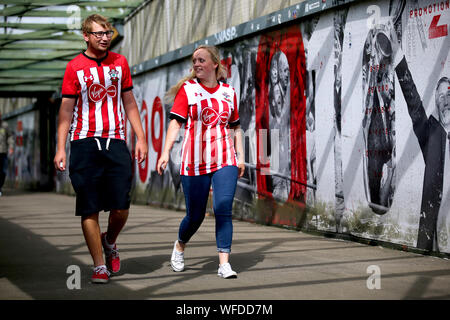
234 119
71 85
180 106
127 82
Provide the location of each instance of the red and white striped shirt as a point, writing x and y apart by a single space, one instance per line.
97 84
209 113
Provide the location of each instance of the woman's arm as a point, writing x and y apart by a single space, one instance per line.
172 133
239 147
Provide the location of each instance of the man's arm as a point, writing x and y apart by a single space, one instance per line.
132 112
64 120
413 101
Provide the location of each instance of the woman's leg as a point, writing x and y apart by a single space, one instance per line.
224 186
196 192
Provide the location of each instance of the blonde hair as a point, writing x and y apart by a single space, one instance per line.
221 72
97 18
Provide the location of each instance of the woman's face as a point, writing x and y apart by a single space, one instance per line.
204 66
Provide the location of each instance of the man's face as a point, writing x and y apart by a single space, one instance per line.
283 69
442 103
95 42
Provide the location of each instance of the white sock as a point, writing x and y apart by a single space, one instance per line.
110 246
100 266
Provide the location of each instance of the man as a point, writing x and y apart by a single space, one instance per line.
100 170
279 122
433 134
6 146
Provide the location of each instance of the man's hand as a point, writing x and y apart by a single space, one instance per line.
60 160
141 151
64 120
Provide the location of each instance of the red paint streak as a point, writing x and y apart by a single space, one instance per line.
290 42
436 31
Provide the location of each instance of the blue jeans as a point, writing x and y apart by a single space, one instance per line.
196 192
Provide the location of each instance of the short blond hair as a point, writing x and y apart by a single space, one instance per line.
97 18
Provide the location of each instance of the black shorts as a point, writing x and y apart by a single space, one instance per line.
101 175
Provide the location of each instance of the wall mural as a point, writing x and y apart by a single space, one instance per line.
24 163
346 117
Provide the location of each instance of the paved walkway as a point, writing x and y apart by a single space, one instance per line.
40 238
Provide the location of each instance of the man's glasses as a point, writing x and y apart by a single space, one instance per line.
100 34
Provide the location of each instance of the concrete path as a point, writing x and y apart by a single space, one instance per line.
41 241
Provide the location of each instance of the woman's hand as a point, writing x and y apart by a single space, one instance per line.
241 169
162 163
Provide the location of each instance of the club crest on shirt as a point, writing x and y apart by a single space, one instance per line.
227 97
114 75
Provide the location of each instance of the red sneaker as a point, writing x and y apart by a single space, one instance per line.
101 275
111 256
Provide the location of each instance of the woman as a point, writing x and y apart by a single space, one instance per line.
212 153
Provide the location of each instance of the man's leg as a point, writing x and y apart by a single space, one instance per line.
116 222
117 186
91 232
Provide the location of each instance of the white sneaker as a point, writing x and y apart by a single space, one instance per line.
177 260
226 272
